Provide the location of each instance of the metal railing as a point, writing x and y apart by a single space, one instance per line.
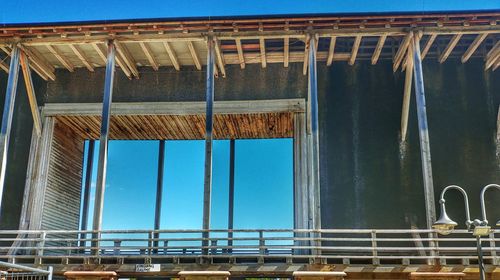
11 271
374 246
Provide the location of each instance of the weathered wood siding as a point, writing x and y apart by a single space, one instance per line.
61 208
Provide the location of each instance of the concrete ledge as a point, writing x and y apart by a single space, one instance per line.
437 275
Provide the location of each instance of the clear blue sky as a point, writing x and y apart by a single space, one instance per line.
31 11
263 184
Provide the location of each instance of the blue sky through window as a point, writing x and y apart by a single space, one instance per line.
263 184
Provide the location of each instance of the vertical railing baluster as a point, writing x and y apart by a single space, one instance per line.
262 243
374 248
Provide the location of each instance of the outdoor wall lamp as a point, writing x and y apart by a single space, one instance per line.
444 225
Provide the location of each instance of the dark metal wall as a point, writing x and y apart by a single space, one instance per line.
368 178
20 141
371 180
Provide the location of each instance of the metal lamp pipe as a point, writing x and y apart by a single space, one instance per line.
483 208
468 222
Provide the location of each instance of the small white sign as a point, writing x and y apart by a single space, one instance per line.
147 267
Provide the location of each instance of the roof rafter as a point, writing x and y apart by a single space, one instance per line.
449 48
473 47
194 55
220 58
172 56
83 58
39 64
428 45
64 61
127 58
398 58
355 48
149 55
331 50
378 49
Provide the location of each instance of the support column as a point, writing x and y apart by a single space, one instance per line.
207 191
159 191
301 201
313 135
8 112
86 189
230 220
425 150
103 144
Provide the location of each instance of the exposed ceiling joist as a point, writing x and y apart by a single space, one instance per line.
39 64
400 54
355 48
428 45
473 46
63 60
449 48
149 55
83 58
220 58
171 54
378 49
331 50
127 58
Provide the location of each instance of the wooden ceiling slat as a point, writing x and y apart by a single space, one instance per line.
178 127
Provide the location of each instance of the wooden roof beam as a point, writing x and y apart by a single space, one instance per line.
65 62
83 58
241 55
492 56
428 45
39 64
286 47
378 49
4 67
400 54
306 54
331 50
263 59
355 48
194 55
172 56
127 58
149 55
473 46
102 55
30 89
449 48
220 58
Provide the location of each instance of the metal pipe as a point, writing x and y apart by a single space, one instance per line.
314 141
230 221
425 149
86 191
207 190
480 259
8 112
468 222
483 206
159 189
103 144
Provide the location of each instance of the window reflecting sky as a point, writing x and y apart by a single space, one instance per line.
263 184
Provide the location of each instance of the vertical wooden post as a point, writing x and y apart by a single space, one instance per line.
8 112
230 221
103 145
407 93
425 149
207 191
301 200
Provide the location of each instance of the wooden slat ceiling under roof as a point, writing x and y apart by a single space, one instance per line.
255 41
183 127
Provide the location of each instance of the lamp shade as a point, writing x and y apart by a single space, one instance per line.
444 225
